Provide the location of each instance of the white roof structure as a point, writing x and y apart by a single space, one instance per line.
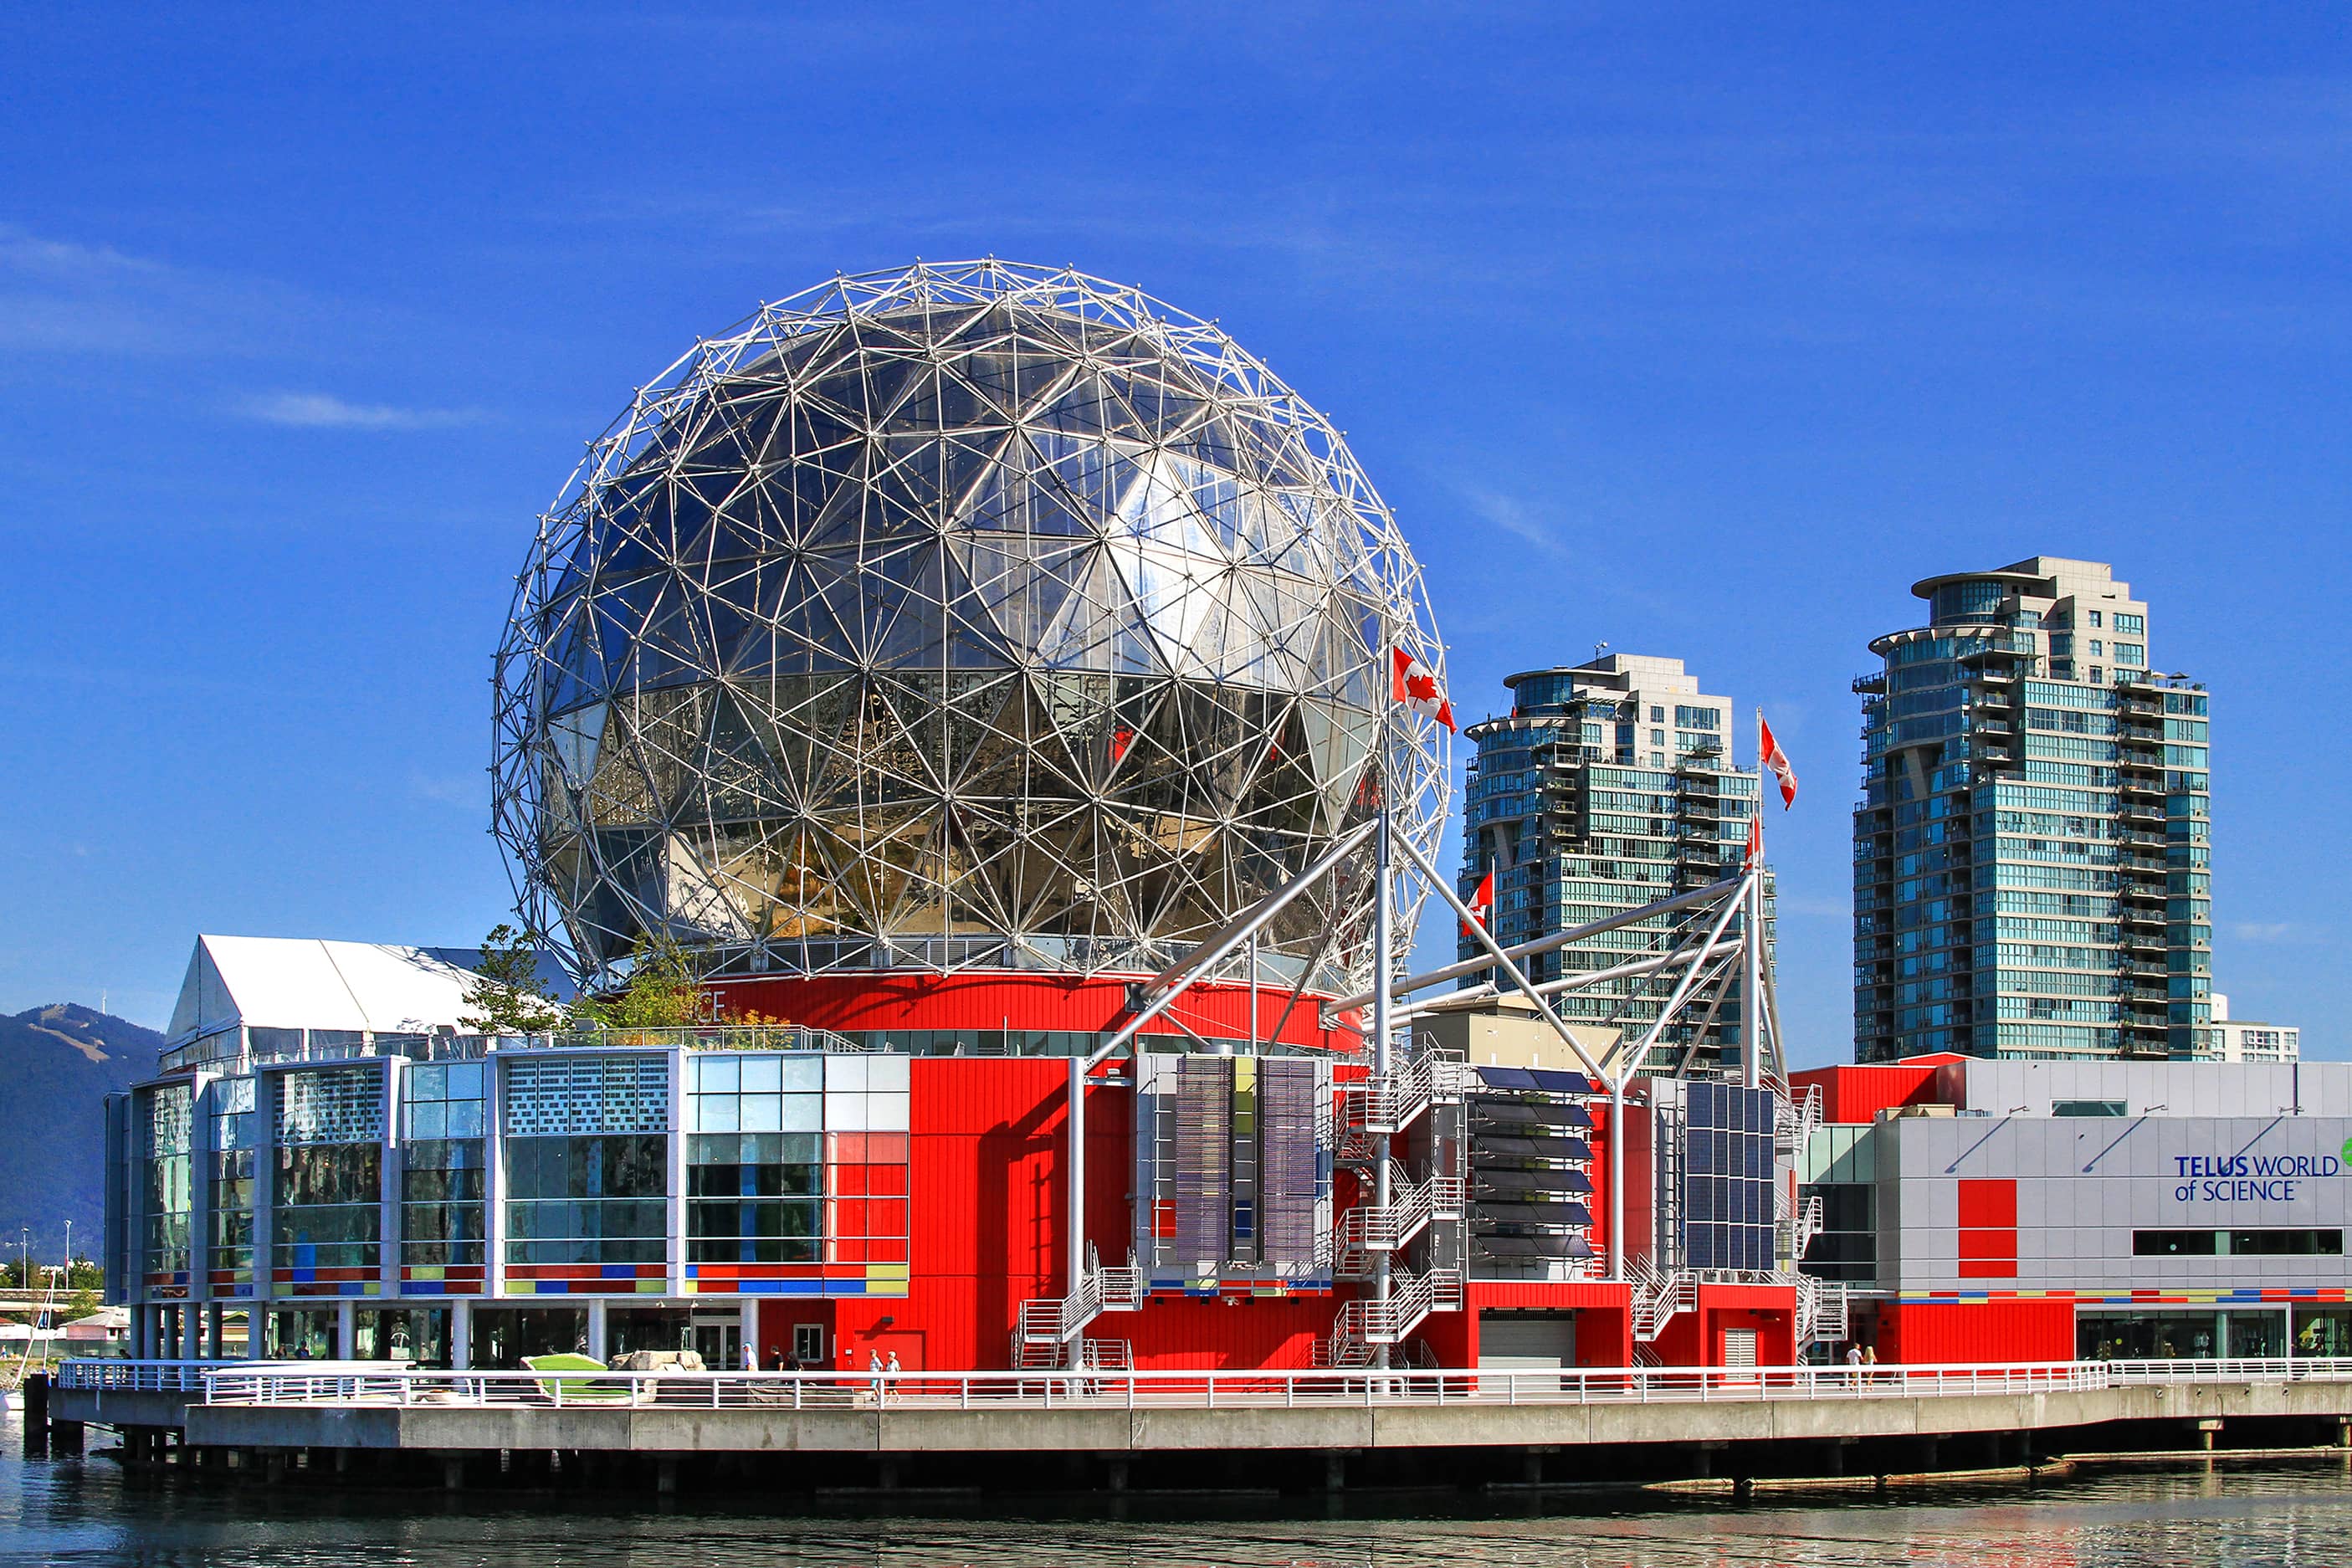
301 982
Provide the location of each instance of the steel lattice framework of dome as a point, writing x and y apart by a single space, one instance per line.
969 616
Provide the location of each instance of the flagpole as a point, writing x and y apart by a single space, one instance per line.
1751 963
1382 1002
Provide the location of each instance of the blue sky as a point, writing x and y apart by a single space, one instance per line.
1701 331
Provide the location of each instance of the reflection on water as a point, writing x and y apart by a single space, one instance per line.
88 1511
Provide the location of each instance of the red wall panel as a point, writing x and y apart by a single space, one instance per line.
1604 1336
1452 1337
1987 1212
1696 1337
988 1203
2023 1328
1857 1094
1987 1202
1192 1334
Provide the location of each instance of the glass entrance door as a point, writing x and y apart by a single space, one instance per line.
719 1343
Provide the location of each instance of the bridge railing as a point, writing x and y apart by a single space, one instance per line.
352 1384
295 1384
2260 1369
114 1374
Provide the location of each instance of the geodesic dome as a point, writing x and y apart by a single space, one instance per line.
968 616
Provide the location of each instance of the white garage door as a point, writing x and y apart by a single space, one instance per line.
1531 1340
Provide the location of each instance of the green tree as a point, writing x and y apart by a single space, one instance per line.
663 991
507 997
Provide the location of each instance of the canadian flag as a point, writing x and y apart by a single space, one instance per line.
1482 903
1415 687
1755 842
1768 751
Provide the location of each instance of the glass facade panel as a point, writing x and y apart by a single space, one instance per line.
587 1200
229 1197
167 1203
443 1179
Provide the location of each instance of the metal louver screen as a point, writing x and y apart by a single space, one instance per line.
1288 1172
1204 1101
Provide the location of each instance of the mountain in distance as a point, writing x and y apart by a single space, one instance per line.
58 1064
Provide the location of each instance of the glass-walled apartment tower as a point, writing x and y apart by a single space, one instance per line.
1609 785
2032 855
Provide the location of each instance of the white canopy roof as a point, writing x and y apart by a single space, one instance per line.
301 982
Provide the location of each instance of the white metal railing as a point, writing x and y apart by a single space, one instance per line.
1658 1295
1366 1228
1058 1320
2258 1369
474 1047
1797 1114
1392 1103
288 1385
355 1383
1797 1230
1411 1297
113 1374
1821 1311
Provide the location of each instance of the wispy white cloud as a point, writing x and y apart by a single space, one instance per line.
2272 933
62 295
1515 518
466 790
66 262
324 411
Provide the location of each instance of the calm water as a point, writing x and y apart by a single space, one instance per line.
84 1511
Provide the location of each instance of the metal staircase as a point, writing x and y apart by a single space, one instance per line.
1794 1117
1821 1312
1366 1323
1378 1107
1049 1323
1797 1230
1367 1230
1658 1297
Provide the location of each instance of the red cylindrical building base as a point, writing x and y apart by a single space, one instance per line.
864 1002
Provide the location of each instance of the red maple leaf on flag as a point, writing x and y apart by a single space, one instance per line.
1413 684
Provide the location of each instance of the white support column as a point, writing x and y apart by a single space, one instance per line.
265 1089
598 1331
347 1324
494 1178
200 1218
1253 994
681 1062
1075 1126
1617 1176
1383 1005
461 1333
388 1195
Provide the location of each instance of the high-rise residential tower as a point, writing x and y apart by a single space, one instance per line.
1609 785
2032 855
